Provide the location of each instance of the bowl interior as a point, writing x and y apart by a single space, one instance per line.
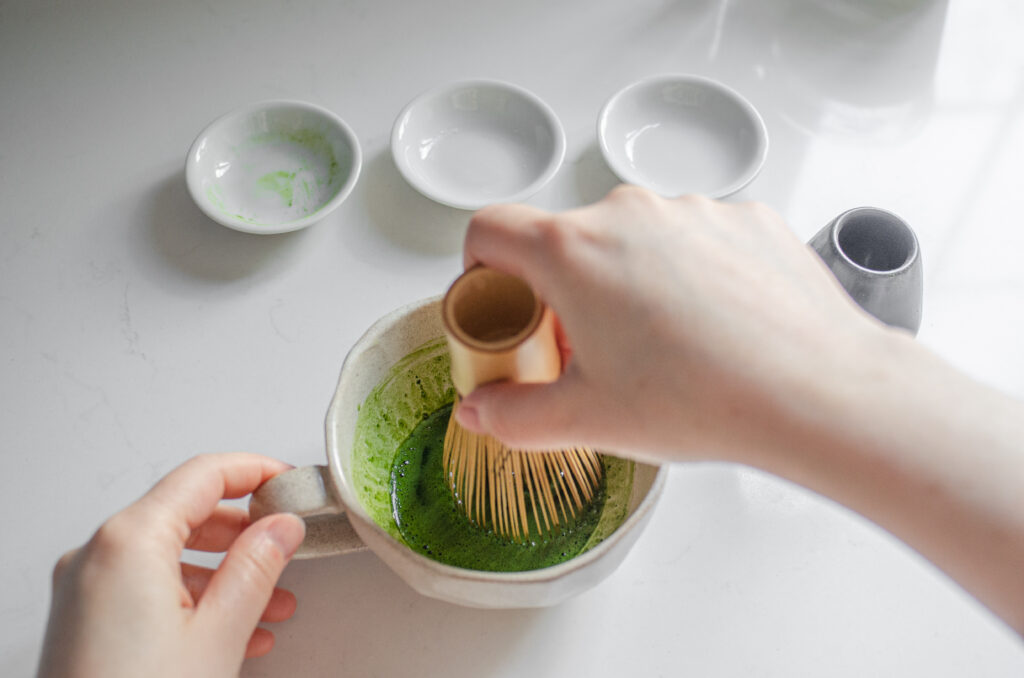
680 135
273 167
403 375
477 143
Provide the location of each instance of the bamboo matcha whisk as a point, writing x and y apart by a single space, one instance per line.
498 330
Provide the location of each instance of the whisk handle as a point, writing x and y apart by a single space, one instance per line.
498 330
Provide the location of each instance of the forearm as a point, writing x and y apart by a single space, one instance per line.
927 453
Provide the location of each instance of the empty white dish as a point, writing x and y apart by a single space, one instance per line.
681 134
473 143
273 167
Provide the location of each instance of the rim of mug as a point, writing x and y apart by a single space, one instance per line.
840 221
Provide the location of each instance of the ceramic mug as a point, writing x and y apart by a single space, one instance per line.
346 503
876 258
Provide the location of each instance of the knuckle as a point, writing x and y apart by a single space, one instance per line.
115 537
696 201
551 230
488 214
202 461
632 194
111 535
497 219
554 236
261 567
63 566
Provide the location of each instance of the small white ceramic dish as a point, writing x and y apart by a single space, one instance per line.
273 167
473 143
680 134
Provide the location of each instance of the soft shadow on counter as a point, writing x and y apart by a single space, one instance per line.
407 218
186 241
357 618
593 176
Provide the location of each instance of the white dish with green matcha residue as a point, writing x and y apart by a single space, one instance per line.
273 167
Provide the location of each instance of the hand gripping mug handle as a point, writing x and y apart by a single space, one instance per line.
308 492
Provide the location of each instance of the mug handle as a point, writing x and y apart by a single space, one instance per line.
308 493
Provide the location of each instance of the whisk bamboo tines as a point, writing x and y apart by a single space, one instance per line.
498 330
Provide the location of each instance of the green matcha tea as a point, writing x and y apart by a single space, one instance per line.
403 420
432 523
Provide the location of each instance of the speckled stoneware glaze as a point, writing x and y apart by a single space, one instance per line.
328 497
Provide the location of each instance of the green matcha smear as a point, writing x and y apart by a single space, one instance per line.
279 176
280 183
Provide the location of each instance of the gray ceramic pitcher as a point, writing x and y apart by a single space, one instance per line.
875 256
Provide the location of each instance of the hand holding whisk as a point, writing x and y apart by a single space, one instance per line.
498 330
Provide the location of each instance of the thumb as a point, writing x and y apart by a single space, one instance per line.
528 416
241 587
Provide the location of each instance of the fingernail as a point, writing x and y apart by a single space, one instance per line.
468 418
286 531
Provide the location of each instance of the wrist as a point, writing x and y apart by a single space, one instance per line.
925 452
896 428
846 393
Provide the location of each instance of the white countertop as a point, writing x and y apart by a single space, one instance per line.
135 332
